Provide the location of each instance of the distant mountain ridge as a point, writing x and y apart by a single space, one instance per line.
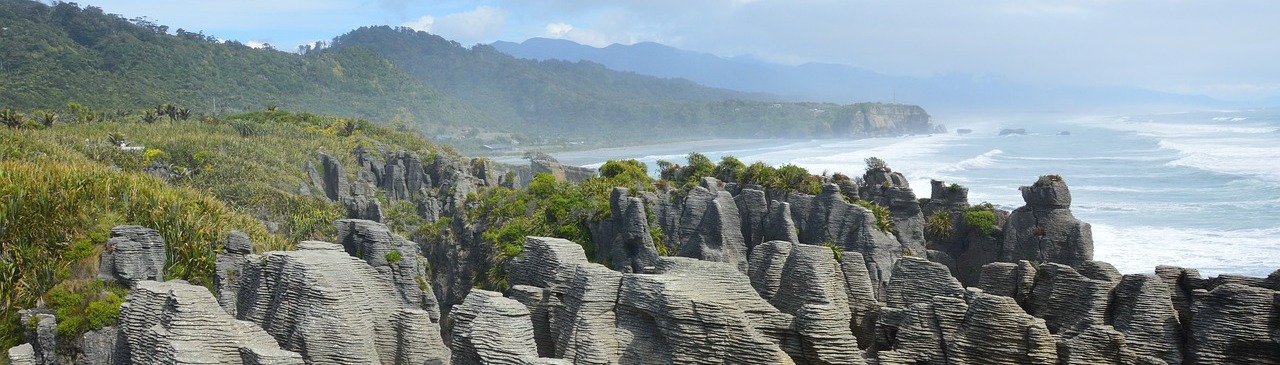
841 83
53 55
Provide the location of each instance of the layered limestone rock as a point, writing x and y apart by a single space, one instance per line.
228 267
710 229
177 323
1235 324
395 258
778 225
1044 230
335 181
943 197
1067 301
42 336
828 218
1008 279
1143 311
333 308
133 254
997 331
863 305
753 207
916 280
491 330
811 286
625 236
890 119
22 354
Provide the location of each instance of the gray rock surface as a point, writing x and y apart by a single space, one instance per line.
812 288
863 305
228 266
1235 324
394 257
99 347
1097 344
42 337
177 323
1008 279
133 254
754 210
335 309
491 330
335 181
1067 301
631 246
1044 230
778 225
827 217
997 331
22 354
916 280
1143 311
711 228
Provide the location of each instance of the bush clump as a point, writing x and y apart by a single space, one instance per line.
981 218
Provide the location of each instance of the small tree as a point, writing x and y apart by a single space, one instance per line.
875 163
150 116
12 119
47 118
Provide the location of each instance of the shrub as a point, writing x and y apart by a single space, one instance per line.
392 257
939 225
981 220
1048 180
883 221
874 163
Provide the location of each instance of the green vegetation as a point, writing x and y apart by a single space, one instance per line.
731 170
392 257
65 184
938 225
57 54
1048 180
883 221
981 218
875 163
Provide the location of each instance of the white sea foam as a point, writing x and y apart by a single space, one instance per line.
1236 156
1139 249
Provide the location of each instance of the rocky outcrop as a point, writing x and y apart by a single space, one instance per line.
541 163
1235 324
489 329
624 237
889 119
916 280
335 181
1068 302
42 336
997 331
395 258
807 282
1143 311
1044 230
22 354
778 224
177 323
228 268
828 218
711 228
753 207
333 308
133 254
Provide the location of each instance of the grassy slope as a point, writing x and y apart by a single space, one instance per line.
63 188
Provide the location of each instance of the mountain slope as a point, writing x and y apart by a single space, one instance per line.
60 54
840 83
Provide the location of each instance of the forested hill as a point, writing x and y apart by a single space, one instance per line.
54 55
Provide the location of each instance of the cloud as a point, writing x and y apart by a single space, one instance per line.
423 24
481 25
583 36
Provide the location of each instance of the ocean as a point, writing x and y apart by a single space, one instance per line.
1192 189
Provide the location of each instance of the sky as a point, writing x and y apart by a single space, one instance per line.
1222 48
